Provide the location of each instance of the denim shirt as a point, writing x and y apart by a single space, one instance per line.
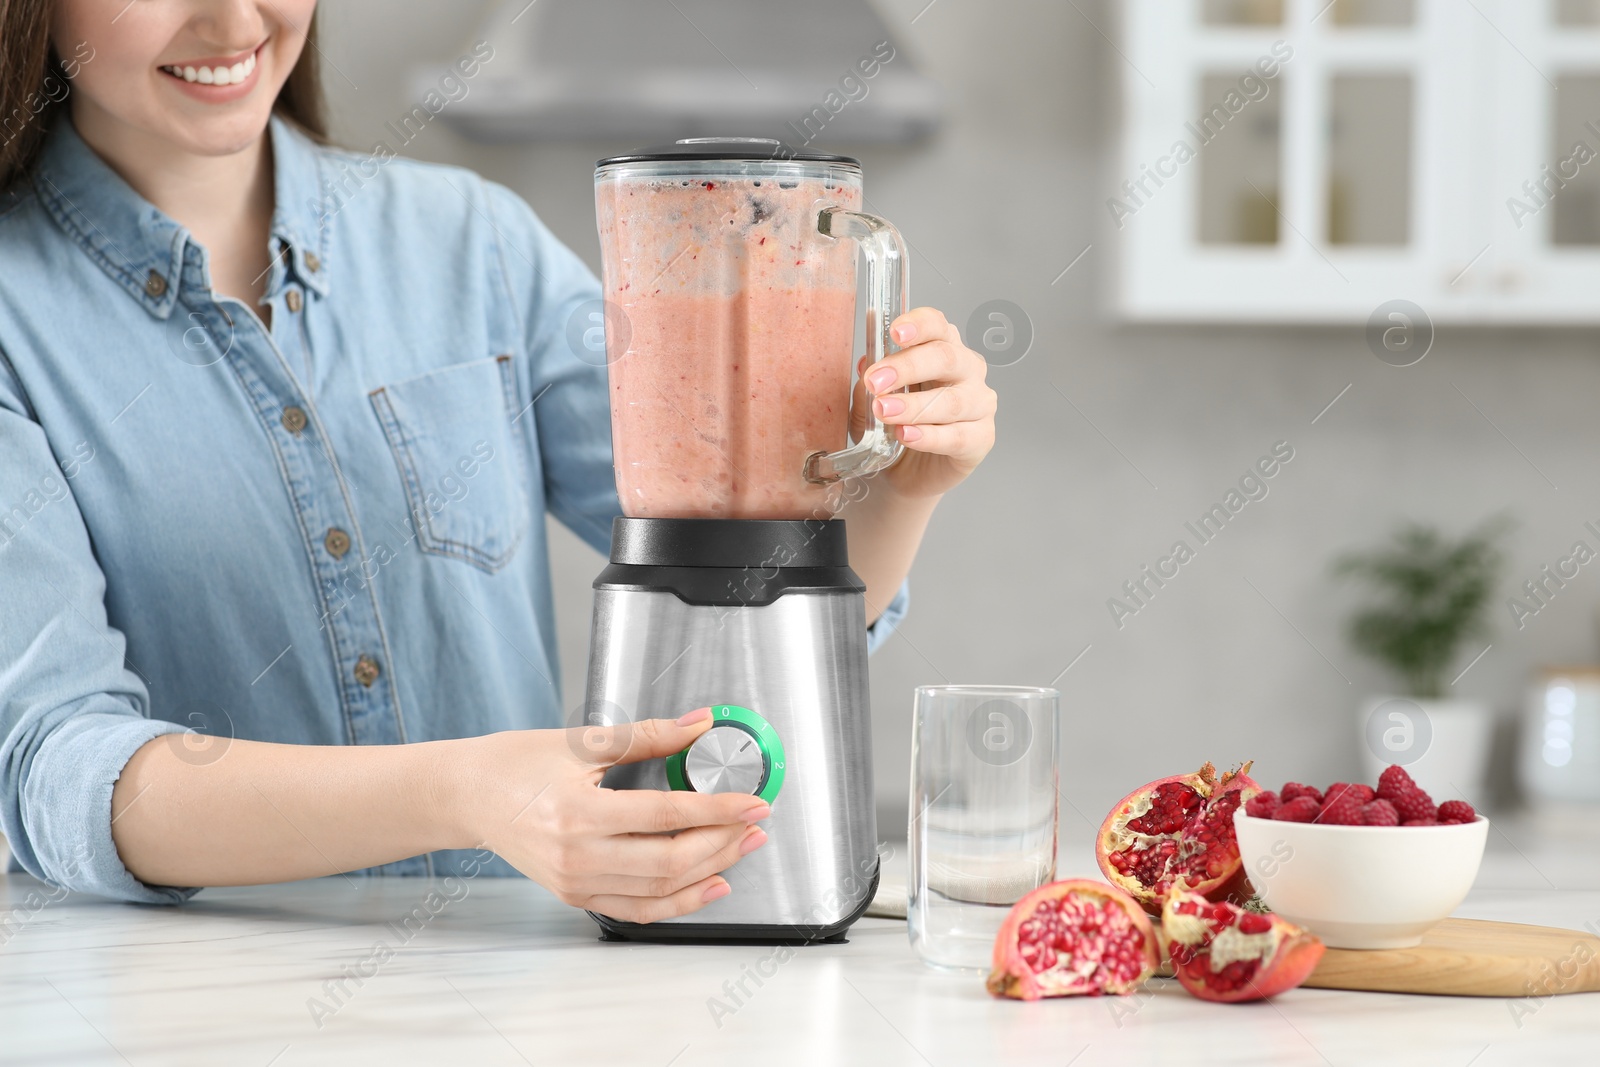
329 531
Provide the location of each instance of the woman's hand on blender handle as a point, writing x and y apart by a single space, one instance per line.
946 419
639 855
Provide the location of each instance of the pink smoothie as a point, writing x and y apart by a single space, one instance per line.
738 365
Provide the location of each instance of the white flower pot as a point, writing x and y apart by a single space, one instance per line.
1443 744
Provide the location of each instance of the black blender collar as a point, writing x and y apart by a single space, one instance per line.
692 149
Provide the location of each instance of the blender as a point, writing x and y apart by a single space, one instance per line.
732 264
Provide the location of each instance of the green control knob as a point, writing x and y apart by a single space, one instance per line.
741 753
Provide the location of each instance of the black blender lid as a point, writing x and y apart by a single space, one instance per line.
745 543
710 148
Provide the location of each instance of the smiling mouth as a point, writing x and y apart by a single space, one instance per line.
214 75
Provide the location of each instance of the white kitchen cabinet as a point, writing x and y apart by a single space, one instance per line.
1445 152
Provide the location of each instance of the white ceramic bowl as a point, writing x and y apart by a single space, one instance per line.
1361 886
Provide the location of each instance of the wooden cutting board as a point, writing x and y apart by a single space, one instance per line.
1471 958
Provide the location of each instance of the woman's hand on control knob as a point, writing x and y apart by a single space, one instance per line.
946 420
534 797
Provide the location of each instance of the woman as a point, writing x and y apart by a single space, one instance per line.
273 465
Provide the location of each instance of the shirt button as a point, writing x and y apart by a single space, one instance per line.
313 263
293 300
337 542
366 671
294 419
155 285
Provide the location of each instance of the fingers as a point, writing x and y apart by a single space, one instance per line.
968 441
585 841
667 876
651 811
933 392
630 742
938 360
948 404
655 866
654 909
610 850
917 325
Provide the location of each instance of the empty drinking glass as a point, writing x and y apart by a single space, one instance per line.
984 811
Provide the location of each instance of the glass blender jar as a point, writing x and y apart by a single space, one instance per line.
729 272
729 265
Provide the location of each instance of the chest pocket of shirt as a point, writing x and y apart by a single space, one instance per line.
460 456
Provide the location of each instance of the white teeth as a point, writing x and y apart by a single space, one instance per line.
216 75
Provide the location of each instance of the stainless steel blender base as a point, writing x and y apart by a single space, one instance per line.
800 662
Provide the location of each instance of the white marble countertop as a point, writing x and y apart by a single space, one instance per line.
504 975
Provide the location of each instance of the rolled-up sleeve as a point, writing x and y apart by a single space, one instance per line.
71 712
892 615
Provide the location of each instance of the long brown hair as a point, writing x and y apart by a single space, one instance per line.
35 84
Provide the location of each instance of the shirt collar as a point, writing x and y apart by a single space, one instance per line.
143 249
298 219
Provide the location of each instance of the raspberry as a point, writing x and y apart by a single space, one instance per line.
1362 793
1300 809
1342 810
1294 791
1262 805
1456 811
1415 805
1394 781
1419 822
1379 813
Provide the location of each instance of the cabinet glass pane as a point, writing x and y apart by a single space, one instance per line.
1568 186
1578 12
1374 12
1369 159
1236 135
1242 12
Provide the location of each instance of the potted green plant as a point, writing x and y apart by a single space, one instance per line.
1431 598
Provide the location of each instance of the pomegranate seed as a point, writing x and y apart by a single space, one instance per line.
1094 940
1262 955
1169 810
1177 831
1252 923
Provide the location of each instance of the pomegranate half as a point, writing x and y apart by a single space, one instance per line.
1178 832
1073 938
1222 952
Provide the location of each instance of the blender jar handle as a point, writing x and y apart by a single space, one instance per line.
888 282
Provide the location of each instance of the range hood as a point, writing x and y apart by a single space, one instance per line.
661 69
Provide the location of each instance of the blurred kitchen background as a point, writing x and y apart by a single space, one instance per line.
1178 331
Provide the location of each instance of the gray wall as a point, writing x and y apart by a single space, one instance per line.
1013 578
